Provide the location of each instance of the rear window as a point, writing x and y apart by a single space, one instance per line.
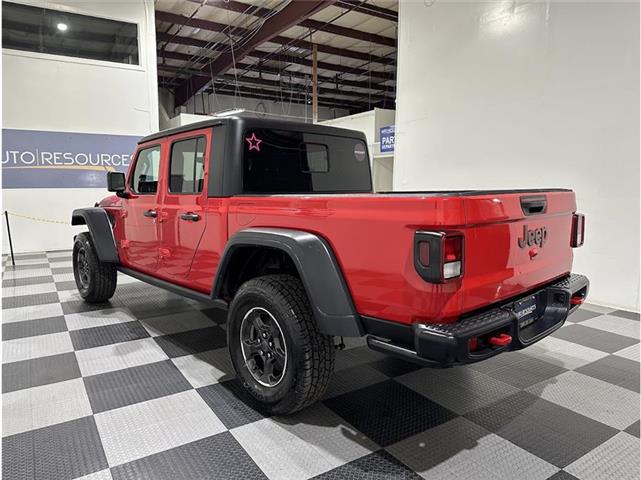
284 161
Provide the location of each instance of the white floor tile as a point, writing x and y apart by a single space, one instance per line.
98 318
126 279
101 475
93 361
563 353
296 447
607 403
278 453
10 274
631 353
42 406
63 277
28 290
616 459
146 428
59 253
34 347
613 324
32 312
205 368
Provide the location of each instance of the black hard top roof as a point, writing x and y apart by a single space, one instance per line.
248 122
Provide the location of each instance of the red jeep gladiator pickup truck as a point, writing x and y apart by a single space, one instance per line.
277 223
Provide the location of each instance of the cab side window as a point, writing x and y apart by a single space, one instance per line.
145 176
187 166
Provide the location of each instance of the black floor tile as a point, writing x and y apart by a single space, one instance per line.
633 429
394 367
594 338
626 314
28 266
231 404
63 451
388 412
22 282
192 341
375 466
60 270
582 314
27 256
107 335
612 369
80 306
562 475
549 431
145 309
31 328
132 385
62 286
39 371
217 457
29 300
527 372
215 314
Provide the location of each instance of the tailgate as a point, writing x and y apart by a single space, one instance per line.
514 242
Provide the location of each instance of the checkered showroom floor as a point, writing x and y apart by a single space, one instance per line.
142 387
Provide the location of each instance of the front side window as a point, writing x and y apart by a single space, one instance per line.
43 30
145 176
284 161
187 166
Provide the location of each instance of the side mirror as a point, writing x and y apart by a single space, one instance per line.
116 183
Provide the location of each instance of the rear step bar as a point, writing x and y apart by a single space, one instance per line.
483 335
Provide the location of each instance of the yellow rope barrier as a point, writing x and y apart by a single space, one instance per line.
36 219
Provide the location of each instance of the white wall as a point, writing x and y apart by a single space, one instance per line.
55 93
524 95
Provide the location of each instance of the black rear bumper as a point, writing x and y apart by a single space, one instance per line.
449 344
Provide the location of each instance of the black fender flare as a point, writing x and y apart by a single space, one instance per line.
97 221
318 269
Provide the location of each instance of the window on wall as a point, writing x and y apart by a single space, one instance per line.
36 29
145 176
187 166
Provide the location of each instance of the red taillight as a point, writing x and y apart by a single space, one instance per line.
578 230
438 256
452 249
452 256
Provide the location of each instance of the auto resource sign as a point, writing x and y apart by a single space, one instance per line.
388 138
40 159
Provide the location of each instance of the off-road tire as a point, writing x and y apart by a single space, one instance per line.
310 354
98 282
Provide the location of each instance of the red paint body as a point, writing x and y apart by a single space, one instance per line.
370 234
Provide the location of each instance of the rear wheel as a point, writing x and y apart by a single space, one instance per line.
281 358
96 280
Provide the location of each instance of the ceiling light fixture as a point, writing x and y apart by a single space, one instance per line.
62 27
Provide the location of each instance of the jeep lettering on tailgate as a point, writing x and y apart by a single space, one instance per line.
538 236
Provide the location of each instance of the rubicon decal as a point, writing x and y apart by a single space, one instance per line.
537 236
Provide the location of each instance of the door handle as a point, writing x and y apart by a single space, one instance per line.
190 216
151 213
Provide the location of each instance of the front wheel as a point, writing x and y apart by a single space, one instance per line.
281 358
96 280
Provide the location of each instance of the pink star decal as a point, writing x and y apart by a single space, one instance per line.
254 143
